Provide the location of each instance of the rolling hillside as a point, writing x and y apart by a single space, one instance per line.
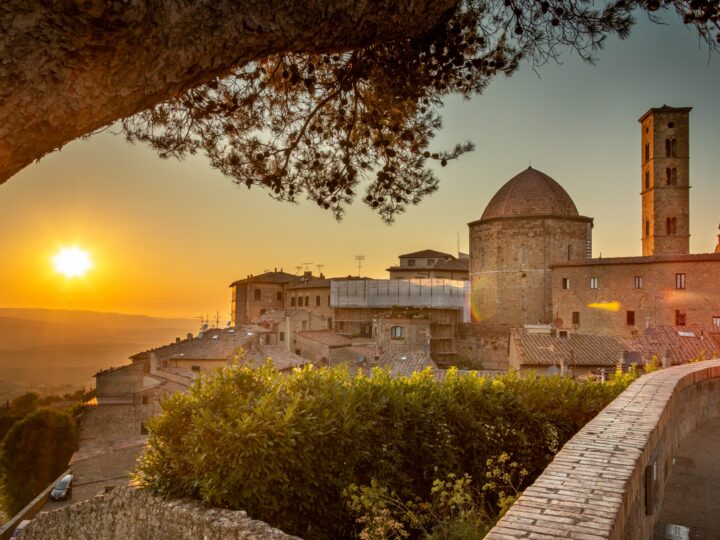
41 347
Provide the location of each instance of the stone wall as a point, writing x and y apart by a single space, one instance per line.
608 481
654 304
128 512
482 346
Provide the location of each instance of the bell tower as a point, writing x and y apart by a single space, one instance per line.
665 188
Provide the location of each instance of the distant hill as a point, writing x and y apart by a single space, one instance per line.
61 347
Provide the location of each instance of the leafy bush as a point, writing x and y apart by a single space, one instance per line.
286 448
34 453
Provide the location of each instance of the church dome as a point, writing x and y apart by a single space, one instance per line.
530 193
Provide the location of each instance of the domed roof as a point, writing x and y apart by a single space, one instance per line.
530 193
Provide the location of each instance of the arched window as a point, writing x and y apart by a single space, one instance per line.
258 294
674 148
668 147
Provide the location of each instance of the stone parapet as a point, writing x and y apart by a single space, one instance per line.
607 482
128 512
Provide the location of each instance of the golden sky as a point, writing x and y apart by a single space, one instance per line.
168 237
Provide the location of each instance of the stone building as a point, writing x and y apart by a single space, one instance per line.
530 224
531 258
310 293
254 295
429 263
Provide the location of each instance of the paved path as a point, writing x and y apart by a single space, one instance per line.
691 504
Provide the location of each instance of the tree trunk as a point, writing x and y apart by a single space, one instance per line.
68 68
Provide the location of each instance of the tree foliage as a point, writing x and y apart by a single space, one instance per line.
35 452
322 126
286 448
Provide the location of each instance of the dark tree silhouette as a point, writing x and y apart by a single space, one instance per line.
303 97
320 126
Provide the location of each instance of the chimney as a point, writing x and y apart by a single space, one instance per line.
322 276
189 335
177 340
307 274
276 269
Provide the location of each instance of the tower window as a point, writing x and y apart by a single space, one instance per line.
716 321
668 176
647 228
576 317
668 225
631 318
680 281
647 152
671 225
565 283
638 283
307 301
671 125
258 294
317 301
594 283
569 251
397 332
522 254
292 302
647 180
680 317
668 147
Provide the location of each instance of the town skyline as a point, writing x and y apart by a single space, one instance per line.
168 237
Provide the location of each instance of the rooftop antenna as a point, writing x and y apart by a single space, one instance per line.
458 243
319 267
217 319
307 265
297 269
359 259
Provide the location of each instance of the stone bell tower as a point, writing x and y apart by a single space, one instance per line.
665 181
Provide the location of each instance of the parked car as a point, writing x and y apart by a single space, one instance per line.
20 529
63 489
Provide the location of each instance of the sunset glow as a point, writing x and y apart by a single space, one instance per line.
72 262
605 306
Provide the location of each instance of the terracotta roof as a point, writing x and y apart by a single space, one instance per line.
312 283
585 350
530 193
461 265
267 277
326 338
682 347
214 344
427 253
281 358
273 316
650 259
595 350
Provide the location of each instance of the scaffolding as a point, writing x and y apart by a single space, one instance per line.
411 293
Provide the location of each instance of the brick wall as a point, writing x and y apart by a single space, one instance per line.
595 488
654 304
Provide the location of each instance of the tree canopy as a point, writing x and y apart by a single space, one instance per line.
308 100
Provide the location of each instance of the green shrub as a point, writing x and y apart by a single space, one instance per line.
286 448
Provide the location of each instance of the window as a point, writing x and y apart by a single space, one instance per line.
292 302
668 176
397 332
411 262
631 318
523 260
679 281
647 152
304 325
638 282
145 400
569 251
576 317
307 301
667 147
196 369
566 283
431 262
680 317
647 228
300 301
647 180
593 283
716 321
279 296
282 336
258 294
317 301
330 322
671 225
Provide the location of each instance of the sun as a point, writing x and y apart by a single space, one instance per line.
72 262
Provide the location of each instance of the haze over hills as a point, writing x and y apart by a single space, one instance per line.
67 347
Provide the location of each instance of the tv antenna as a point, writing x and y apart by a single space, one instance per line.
320 267
298 268
359 259
307 265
